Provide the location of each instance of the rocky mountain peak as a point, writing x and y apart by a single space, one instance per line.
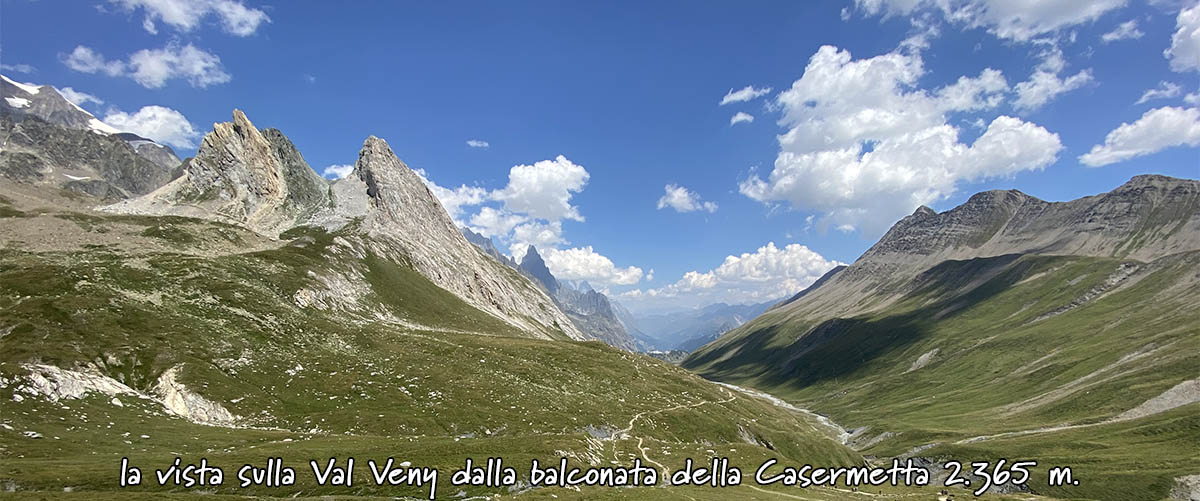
535 266
242 176
257 179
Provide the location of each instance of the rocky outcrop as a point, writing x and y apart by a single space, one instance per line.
488 247
33 151
160 154
44 102
258 179
241 176
405 222
591 311
533 265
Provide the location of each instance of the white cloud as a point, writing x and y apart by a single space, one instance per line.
769 273
186 15
159 123
1019 20
152 68
337 171
684 200
1184 53
1127 30
583 263
1156 130
1165 90
491 222
86 60
475 143
749 93
532 208
543 190
543 235
968 94
1192 99
77 97
740 117
454 200
865 146
1045 84
19 68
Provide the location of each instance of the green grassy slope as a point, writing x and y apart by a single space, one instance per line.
1002 364
386 364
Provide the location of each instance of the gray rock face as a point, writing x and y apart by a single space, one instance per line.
488 247
36 152
241 176
161 154
533 265
404 220
44 102
591 311
258 179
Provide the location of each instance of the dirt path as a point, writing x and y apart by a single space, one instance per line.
624 432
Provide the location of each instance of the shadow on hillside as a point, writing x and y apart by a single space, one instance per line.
838 347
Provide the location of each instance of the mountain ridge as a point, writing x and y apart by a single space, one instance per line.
259 180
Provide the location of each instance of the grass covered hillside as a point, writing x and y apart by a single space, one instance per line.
1087 361
157 337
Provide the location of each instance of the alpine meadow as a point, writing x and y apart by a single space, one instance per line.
852 250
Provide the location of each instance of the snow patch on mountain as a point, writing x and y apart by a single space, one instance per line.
27 87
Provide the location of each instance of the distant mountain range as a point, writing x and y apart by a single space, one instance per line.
691 329
50 141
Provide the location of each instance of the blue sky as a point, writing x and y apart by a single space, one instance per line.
628 94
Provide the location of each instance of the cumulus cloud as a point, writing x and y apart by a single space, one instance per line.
185 15
1018 20
152 68
748 93
475 143
543 190
684 200
530 210
583 263
77 97
86 60
1127 30
159 123
1165 90
974 93
864 146
766 274
740 117
1045 83
1184 53
1156 130
491 222
337 171
541 234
